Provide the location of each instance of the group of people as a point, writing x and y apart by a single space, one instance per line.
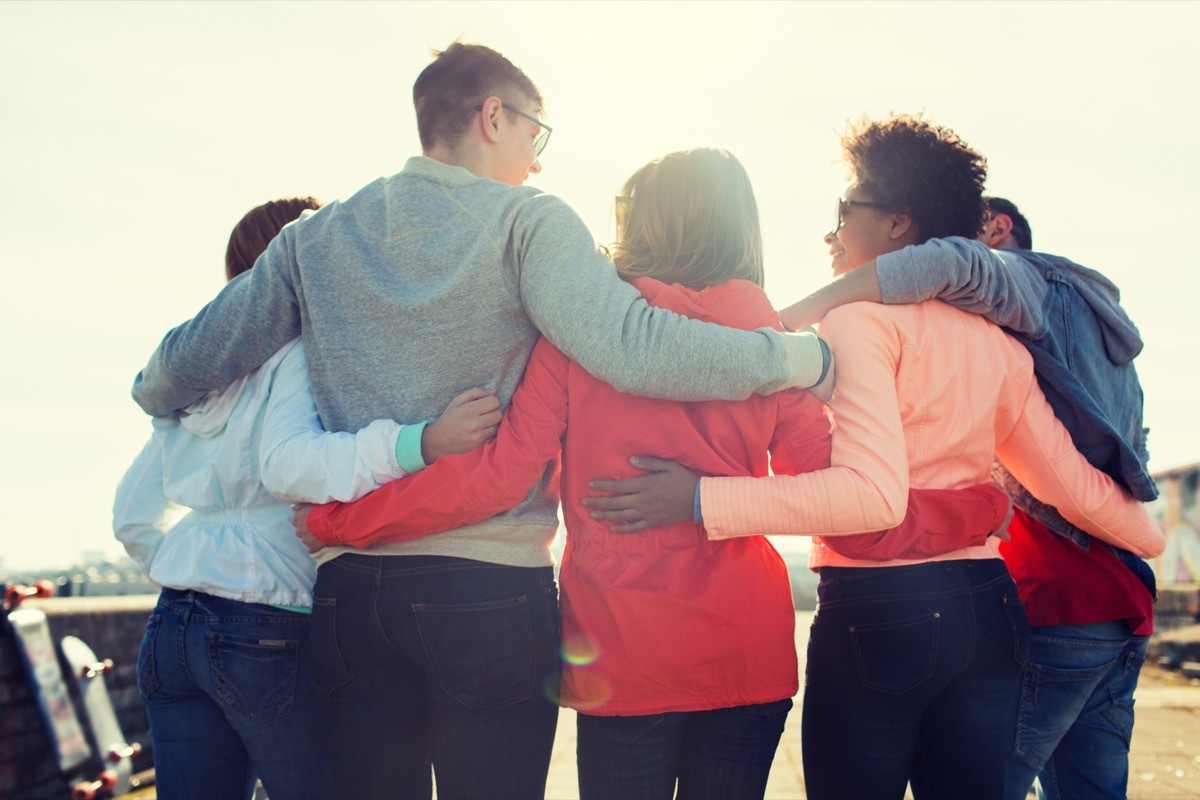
652 390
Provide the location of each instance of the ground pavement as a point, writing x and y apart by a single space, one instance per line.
1164 762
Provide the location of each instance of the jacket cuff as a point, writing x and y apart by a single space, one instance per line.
408 448
318 525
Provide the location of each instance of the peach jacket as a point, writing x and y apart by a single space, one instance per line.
926 394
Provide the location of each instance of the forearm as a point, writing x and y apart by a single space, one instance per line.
463 489
252 317
574 296
839 501
300 461
860 285
319 467
938 521
968 275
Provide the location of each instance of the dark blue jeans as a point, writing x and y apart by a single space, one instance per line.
430 660
1076 714
720 754
225 691
913 677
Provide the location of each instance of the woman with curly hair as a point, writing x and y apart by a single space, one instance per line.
914 664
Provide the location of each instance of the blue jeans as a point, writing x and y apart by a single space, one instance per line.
1076 712
224 690
431 660
718 754
913 677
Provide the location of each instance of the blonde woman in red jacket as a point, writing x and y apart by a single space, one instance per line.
678 651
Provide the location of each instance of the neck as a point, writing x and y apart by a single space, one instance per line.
469 158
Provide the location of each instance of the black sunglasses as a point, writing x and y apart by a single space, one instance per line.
845 205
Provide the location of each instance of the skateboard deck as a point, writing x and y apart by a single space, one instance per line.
37 651
116 753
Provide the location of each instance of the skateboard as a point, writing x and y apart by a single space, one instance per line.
114 751
36 648
15 595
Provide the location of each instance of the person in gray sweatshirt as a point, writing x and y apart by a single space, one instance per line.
444 650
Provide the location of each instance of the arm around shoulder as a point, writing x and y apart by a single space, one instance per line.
302 462
573 294
254 315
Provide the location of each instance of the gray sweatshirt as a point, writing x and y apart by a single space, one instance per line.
434 280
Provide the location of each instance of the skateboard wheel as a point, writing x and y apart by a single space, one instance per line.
98 668
88 790
120 752
15 594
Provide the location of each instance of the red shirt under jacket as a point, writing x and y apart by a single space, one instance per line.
1060 583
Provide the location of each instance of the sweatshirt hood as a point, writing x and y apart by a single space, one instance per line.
1122 340
208 416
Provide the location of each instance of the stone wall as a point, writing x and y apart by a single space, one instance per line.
113 627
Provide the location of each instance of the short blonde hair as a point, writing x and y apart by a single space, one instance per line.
692 219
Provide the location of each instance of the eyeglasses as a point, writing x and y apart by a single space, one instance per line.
622 205
539 144
844 205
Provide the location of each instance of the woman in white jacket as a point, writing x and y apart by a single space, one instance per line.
204 510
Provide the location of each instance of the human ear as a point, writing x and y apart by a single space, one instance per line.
998 229
489 118
900 225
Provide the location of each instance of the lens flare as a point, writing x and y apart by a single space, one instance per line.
578 650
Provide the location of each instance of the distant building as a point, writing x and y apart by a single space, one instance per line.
1176 510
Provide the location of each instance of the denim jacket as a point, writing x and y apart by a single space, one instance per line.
1083 345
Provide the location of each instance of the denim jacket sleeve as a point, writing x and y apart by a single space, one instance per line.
967 274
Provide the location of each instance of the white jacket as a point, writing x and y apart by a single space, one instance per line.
205 506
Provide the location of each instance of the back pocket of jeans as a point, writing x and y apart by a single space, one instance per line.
255 678
482 653
147 671
898 655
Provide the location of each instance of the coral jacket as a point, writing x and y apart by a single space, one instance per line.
663 620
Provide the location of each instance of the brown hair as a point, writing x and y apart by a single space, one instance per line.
922 169
692 220
460 78
255 231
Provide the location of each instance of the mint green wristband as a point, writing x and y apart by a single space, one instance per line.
408 448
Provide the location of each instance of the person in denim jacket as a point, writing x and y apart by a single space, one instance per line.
1090 604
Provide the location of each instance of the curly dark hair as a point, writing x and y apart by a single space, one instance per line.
925 170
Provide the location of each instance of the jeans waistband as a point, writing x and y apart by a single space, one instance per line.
933 576
415 565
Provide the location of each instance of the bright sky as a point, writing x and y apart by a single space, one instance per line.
135 135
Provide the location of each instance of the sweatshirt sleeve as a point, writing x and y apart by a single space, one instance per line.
572 293
301 462
967 274
142 514
1039 454
253 317
461 489
866 488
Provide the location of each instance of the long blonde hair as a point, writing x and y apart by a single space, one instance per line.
692 219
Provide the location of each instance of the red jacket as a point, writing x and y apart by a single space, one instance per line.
663 620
